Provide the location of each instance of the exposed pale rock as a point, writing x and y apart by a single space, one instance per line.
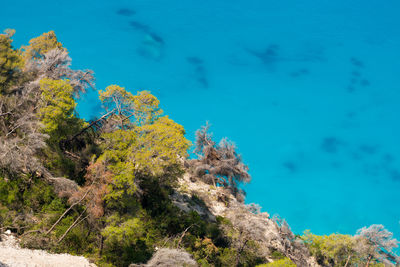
219 202
12 255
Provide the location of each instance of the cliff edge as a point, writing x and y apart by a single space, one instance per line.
271 234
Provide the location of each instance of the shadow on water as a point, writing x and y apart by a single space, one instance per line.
126 12
368 149
152 44
269 56
336 164
365 83
194 60
394 175
356 77
299 73
199 70
372 170
290 166
273 54
331 145
357 62
139 26
388 158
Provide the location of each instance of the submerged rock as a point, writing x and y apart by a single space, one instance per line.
151 47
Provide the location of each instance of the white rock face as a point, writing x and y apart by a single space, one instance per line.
221 203
11 255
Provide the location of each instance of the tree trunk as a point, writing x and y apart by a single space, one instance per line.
67 210
88 233
75 223
239 253
101 244
347 261
183 235
93 123
237 259
369 259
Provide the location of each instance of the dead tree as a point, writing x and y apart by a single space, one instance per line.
219 164
377 243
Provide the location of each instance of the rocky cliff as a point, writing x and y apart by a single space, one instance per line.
270 233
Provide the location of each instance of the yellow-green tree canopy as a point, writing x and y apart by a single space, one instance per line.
333 249
140 109
117 147
339 250
41 45
57 108
159 145
146 108
146 150
10 61
285 262
119 101
142 143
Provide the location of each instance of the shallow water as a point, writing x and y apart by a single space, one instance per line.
308 90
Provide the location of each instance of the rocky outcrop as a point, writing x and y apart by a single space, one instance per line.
210 201
167 257
12 255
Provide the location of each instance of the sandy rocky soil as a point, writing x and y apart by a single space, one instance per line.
12 255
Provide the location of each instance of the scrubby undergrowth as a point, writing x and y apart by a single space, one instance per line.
121 189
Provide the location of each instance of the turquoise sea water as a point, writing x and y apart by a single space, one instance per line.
308 90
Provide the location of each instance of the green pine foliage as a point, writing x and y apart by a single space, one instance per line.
285 262
11 62
337 250
40 45
57 109
57 114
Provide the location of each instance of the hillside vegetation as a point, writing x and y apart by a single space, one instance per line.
121 189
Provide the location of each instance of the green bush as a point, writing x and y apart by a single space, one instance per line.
285 262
